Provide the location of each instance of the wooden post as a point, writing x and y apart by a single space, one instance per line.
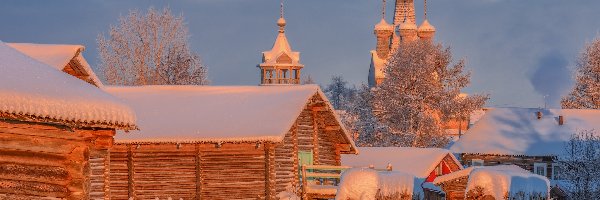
269 171
130 173
198 174
295 154
304 182
315 138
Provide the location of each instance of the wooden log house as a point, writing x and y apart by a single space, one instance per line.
219 142
50 125
530 138
424 163
64 57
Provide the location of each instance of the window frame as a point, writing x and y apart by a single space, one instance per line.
480 162
535 168
554 174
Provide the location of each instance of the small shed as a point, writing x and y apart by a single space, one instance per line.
64 57
424 163
51 124
494 182
223 142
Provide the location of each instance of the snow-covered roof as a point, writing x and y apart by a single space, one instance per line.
507 179
417 161
517 131
190 114
34 91
57 56
281 47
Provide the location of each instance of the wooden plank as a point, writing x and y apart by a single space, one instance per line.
130 174
198 175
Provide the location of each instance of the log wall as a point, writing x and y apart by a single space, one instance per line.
192 171
42 160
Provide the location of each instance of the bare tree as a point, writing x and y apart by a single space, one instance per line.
579 165
150 49
586 93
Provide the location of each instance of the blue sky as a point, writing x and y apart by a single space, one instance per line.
518 51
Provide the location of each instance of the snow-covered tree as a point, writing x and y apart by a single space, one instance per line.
338 92
579 165
150 49
421 92
586 93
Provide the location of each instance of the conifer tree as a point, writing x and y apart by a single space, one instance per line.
586 93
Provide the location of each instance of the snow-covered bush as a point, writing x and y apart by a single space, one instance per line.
366 184
506 182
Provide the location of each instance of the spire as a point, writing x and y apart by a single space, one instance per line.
383 10
425 8
280 65
426 30
383 25
281 21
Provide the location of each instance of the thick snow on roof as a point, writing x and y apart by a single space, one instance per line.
417 161
361 183
517 131
57 55
32 89
507 179
187 114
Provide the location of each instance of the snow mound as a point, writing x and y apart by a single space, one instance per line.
391 183
501 180
359 184
31 89
365 184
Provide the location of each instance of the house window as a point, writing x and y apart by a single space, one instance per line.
476 162
539 169
556 171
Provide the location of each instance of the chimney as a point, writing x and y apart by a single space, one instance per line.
539 114
561 120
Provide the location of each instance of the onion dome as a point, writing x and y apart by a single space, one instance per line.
281 22
383 26
407 26
426 27
426 30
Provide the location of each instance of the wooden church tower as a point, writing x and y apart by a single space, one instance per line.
280 65
391 36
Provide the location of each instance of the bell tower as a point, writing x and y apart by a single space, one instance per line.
280 65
